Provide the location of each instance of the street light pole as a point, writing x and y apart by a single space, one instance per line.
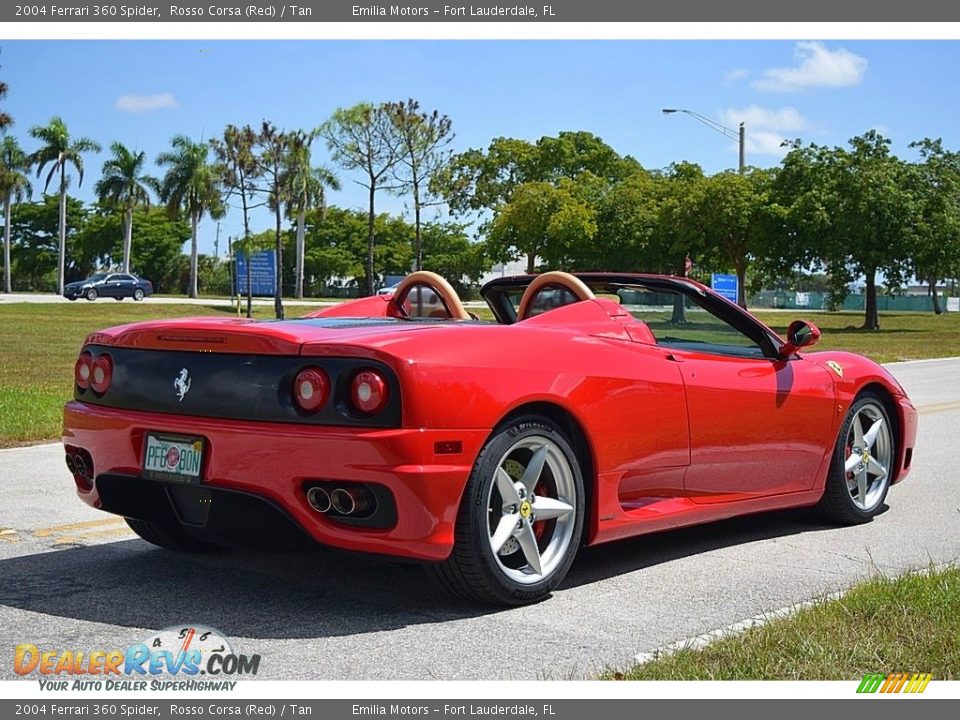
739 135
743 150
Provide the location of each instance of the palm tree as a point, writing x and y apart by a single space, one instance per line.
5 120
305 189
191 185
59 150
14 187
124 186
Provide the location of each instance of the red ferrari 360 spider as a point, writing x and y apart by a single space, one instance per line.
596 407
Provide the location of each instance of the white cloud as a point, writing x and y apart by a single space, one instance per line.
766 128
816 66
146 103
732 76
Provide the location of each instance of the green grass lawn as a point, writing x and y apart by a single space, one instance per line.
884 625
39 344
902 336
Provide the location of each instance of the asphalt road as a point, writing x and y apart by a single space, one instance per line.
71 577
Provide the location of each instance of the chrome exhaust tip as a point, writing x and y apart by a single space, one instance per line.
343 501
357 500
80 464
319 499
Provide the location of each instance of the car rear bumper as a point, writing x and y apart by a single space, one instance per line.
254 476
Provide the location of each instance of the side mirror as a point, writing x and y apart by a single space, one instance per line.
800 334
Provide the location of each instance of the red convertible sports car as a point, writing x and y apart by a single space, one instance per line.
597 406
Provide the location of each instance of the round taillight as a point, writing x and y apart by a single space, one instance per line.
101 373
82 370
311 388
369 391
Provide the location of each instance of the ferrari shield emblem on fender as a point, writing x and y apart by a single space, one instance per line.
835 366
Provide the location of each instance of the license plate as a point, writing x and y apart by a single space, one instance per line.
167 457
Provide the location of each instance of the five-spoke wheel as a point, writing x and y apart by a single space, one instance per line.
863 461
531 515
520 521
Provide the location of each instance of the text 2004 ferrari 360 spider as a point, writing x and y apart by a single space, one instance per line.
598 406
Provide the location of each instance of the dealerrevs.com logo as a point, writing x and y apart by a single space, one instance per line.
188 657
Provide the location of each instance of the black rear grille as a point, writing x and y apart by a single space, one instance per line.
234 386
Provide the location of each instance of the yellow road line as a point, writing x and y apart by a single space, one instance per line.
934 408
54 529
9 535
100 534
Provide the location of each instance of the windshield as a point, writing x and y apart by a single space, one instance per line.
97 278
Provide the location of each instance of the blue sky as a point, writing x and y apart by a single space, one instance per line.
141 93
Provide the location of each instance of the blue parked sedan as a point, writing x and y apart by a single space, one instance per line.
115 285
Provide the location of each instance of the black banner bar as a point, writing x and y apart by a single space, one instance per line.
366 709
533 11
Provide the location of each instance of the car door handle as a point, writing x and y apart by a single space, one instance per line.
674 358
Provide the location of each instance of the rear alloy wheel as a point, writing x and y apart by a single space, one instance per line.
862 465
521 518
169 537
138 294
92 294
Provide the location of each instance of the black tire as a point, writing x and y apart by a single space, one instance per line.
119 298
169 537
91 294
138 294
472 571
837 505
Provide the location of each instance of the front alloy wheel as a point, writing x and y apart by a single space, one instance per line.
862 465
521 518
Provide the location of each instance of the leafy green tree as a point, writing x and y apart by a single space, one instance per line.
852 211
191 186
58 151
363 138
14 187
628 224
157 255
571 153
476 181
424 150
936 179
34 230
336 245
239 174
542 220
124 186
448 251
675 245
306 189
552 188
729 214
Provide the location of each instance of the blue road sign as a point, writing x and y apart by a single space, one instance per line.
725 285
263 273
